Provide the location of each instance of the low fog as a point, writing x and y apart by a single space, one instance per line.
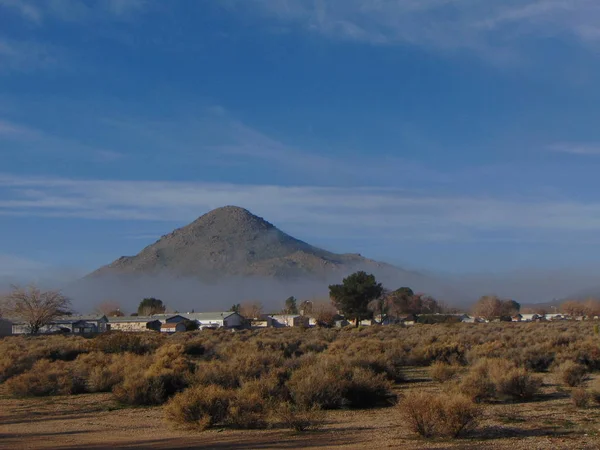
186 294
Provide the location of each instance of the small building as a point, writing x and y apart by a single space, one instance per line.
408 319
5 327
172 327
264 321
556 317
517 318
90 324
134 323
290 320
531 317
341 323
227 319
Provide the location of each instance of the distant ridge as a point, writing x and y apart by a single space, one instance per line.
231 241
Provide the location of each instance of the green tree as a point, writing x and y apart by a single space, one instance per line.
150 306
291 305
235 308
353 296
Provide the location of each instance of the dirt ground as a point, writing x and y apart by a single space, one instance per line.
95 421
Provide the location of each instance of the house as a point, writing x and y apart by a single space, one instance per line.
469 319
134 323
289 320
367 322
90 324
172 327
530 317
517 318
408 319
227 319
5 327
341 323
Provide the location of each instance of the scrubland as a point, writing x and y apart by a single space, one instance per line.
445 385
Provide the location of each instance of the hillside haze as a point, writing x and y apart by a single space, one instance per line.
231 241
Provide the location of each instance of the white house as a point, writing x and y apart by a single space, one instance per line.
134 323
227 319
68 324
172 327
530 317
289 320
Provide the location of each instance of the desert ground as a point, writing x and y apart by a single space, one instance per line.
96 421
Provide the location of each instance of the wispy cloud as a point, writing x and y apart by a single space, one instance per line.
36 12
490 28
346 210
574 148
26 9
38 141
26 56
215 136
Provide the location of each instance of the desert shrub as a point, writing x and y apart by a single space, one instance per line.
332 383
432 415
450 353
442 372
365 389
169 373
517 383
298 418
149 389
240 367
19 354
318 385
499 379
536 359
247 409
595 390
46 378
477 384
121 342
199 407
270 387
571 373
580 397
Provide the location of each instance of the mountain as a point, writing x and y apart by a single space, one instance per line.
231 241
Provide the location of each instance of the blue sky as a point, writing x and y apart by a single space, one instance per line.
456 136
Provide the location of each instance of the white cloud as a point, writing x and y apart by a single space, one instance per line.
490 28
68 10
25 56
28 10
346 210
38 141
574 148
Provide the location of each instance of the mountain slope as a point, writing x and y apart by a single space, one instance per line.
231 241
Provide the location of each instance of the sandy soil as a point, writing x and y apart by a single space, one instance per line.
94 421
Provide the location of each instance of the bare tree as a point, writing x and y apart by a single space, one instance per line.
324 313
35 307
492 307
573 308
251 310
109 308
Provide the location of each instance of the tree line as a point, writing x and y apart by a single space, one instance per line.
358 297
